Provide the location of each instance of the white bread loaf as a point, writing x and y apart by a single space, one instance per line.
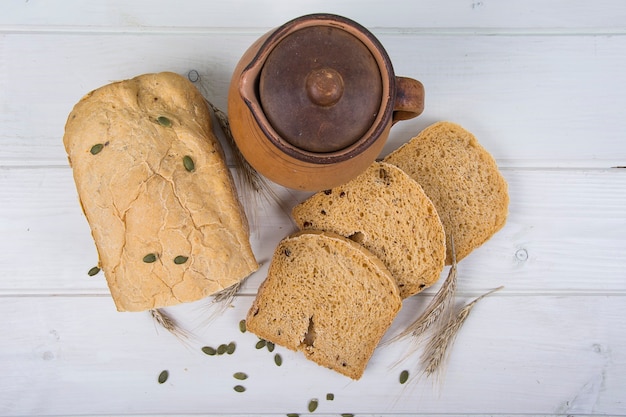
328 297
157 194
390 215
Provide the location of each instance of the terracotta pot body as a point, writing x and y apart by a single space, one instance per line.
311 103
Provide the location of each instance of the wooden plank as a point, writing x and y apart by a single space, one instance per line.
565 234
144 15
532 354
520 97
540 84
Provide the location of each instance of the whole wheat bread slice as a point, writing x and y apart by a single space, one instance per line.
462 180
328 297
389 214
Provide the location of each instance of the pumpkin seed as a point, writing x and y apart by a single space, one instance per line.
404 376
239 388
95 149
164 121
163 376
180 259
330 396
240 376
93 271
293 415
209 350
347 415
242 326
313 405
230 349
149 258
260 344
188 163
278 360
270 346
221 349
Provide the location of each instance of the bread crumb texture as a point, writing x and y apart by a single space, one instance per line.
327 297
387 212
462 180
156 189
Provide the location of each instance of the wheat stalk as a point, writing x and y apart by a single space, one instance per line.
251 184
437 349
249 179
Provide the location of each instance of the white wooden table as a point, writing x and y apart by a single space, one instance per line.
541 84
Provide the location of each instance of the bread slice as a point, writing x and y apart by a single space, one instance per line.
156 192
389 214
328 297
462 180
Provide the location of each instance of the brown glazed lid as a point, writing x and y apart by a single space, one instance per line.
320 89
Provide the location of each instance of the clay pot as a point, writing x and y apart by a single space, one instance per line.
311 103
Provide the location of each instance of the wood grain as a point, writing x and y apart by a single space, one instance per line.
145 15
517 94
69 357
541 85
564 234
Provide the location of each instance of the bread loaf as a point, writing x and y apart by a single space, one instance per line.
328 297
157 194
389 214
462 180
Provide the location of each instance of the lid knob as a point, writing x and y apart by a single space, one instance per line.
324 86
320 89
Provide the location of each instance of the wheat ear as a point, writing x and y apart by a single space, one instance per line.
222 300
438 306
437 349
163 319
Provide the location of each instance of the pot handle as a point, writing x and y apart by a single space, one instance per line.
409 101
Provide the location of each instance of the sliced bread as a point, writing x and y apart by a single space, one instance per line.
388 213
462 180
328 297
156 192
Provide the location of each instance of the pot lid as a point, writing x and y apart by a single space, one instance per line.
320 89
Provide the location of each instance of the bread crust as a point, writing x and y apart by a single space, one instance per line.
154 187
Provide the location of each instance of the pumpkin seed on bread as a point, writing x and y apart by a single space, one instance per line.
156 192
